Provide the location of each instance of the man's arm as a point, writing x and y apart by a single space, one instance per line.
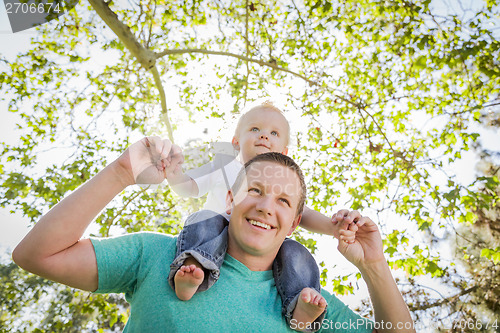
53 248
366 253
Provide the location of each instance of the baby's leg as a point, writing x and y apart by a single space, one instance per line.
202 243
188 278
297 280
310 306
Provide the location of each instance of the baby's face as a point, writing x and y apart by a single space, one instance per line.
263 131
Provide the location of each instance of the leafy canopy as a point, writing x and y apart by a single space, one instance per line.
390 95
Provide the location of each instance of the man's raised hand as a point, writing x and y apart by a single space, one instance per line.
365 251
148 161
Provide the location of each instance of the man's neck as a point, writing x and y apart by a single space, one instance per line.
252 262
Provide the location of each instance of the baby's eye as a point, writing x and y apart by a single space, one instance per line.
274 133
254 129
253 189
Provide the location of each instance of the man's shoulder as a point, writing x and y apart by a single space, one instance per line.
143 239
154 239
139 246
155 235
150 235
128 260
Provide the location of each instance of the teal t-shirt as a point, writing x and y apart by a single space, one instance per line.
240 301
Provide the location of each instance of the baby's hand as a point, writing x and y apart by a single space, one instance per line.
174 163
343 228
145 161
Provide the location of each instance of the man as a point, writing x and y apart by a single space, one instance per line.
265 210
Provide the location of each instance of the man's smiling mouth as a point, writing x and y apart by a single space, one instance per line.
260 224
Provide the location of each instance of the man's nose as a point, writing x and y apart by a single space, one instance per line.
265 205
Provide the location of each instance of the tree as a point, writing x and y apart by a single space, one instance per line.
474 305
29 303
390 94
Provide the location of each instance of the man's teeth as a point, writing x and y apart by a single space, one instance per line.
260 224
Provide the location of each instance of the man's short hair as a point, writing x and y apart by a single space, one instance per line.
280 159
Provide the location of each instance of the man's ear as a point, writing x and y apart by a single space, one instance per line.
295 224
285 151
236 144
229 202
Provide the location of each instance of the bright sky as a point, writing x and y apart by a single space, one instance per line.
12 227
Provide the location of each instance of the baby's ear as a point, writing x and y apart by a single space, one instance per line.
285 151
236 144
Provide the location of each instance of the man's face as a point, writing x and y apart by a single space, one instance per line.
263 131
264 210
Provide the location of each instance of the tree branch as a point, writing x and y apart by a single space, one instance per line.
443 301
493 104
164 115
247 42
110 221
144 56
237 56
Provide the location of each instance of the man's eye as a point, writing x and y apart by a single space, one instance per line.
285 201
274 133
254 129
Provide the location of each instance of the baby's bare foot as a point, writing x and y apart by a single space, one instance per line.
187 280
309 307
